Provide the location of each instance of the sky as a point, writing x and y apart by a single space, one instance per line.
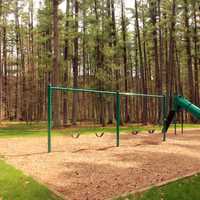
128 3
62 6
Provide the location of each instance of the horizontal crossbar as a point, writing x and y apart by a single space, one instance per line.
142 95
104 92
83 90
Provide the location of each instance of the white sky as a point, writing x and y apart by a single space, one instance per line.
36 3
128 3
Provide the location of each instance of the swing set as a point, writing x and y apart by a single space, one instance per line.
117 96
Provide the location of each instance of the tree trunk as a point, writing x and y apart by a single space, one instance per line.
171 67
84 57
56 66
17 29
188 52
114 39
196 66
1 69
75 66
158 86
144 86
32 83
160 49
125 62
179 82
5 70
66 52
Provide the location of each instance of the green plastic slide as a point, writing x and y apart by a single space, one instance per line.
179 103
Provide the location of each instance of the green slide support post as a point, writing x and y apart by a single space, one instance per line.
164 109
175 124
182 121
49 116
117 118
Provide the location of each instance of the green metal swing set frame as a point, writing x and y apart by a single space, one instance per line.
116 94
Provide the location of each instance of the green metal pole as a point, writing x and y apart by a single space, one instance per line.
175 116
117 118
163 109
164 102
49 116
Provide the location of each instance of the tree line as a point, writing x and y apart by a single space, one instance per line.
152 47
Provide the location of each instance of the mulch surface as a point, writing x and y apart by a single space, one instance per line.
91 168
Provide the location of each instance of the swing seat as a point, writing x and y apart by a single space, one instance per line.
99 134
151 131
76 134
135 132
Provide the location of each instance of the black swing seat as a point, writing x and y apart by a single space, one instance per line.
135 132
76 134
99 134
151 131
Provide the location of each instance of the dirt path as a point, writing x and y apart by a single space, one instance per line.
91 168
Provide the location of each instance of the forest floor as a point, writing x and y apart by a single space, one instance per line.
93 168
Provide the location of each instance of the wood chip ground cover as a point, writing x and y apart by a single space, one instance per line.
94 169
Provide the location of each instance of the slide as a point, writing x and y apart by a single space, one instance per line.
179 103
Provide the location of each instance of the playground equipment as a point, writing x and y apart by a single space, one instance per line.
151 131
76 134
99 134
135 132
117 95
179 103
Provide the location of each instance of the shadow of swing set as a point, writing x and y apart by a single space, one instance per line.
179 103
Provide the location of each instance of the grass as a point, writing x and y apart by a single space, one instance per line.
14 185
185 189
36 129
13 129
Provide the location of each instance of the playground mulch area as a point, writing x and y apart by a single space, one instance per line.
91 168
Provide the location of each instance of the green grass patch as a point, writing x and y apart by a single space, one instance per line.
185 189
15 129
14 185
37 129
21 129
